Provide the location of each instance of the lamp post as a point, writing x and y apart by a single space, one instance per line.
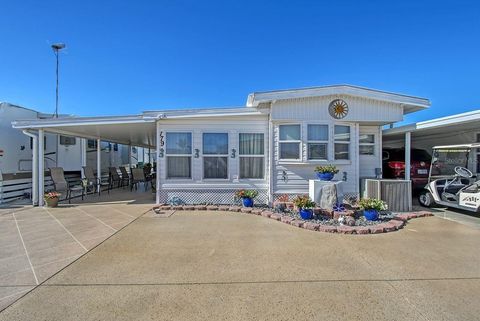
56 48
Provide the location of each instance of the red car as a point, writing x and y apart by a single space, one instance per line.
394 165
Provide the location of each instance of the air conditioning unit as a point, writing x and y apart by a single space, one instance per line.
396 193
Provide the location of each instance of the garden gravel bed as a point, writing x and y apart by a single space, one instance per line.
336 223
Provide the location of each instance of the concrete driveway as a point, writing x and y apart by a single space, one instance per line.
232 266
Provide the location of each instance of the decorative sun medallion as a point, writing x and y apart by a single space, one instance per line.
338 108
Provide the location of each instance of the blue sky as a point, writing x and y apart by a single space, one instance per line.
127 56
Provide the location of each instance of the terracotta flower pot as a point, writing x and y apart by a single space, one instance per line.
52 202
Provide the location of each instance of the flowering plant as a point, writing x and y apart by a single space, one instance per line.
51 195
246 193
326 169
372 204
303 202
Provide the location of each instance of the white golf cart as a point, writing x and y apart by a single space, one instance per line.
450 182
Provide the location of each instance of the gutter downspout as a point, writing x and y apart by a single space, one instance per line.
34 166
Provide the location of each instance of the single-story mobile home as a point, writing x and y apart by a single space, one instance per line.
272 144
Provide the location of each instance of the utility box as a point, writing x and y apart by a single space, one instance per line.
395 192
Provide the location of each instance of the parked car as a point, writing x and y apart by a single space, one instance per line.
394 165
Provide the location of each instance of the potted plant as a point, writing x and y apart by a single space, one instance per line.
326 173
371 206
305 206
247 196
51 198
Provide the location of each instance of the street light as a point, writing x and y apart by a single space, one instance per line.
56 48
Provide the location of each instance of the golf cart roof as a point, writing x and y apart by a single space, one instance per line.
475 145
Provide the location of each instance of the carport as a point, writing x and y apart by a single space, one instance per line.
136 130
455 129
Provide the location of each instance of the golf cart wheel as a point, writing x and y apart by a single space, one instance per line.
426 199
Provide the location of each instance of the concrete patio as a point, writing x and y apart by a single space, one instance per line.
217 266
37 242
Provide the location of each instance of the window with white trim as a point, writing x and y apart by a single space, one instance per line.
290 139
366 144
317 142
251 149
341 139
179 155
215 155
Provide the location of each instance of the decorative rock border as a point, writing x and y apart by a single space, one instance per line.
394 224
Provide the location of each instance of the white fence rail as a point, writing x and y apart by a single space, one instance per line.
14 189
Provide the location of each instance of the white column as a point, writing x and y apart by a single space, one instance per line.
41 167
83 154
407 155
99 163
34 138
157 170
270 162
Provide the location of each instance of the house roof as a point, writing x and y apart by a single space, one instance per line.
468 120
410 103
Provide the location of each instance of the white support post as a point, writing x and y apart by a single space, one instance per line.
41 167
34 139
83 154
157 170
99 164
407 155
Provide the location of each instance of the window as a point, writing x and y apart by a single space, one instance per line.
342 142
290 139
67 140
367 144
317 145
215 159
92 143
179 155
251 151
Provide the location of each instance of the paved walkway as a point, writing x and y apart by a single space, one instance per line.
37 242
230 266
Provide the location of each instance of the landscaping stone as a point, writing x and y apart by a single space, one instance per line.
165 207
389 227
234 208
401 217
276 216
398 224
412 215
257 211
311 226
327 228
286 219
267 213
297 223
212 208
188 207
177 207
200 207
362 230
375 229
223 208
246 209
345 229
350 221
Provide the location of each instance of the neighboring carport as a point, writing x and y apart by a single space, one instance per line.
135 130
456 129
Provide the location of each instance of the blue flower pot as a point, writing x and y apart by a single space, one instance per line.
371 215
325 176
247 202
306 213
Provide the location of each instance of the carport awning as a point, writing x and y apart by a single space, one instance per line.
436 128
127 130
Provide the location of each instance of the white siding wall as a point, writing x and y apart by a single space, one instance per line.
364 115
360 109
368 163
233 126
